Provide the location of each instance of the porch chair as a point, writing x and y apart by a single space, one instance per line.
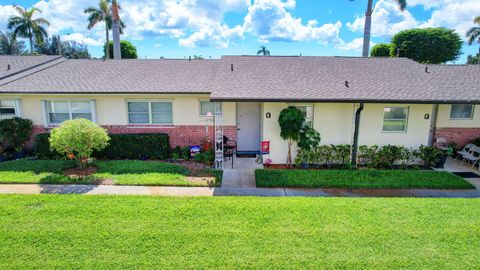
472 156
441 143
464 150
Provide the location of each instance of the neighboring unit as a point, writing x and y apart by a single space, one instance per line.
406 103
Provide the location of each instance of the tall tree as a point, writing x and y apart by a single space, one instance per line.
427 45
263 51
69 49
474 34
9 45
402 4
102 13
128 50
25 26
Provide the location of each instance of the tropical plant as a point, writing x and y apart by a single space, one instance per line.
263 51
102 13
474 34
15 131
198 57
429 155
77 139
308 139
380 50
128 50
402 4
291 122
25 26
473 59
9 45
427 45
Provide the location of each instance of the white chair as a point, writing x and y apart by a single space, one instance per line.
465 150
472 156
441 143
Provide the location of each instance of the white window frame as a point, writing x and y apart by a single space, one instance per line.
306 105
207 100
17 107
149 101
461 118
46 118
406 119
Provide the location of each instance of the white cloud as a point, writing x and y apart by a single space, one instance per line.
80 38
454 15
270 20
217 35
354 45
5 13
387 20
157 45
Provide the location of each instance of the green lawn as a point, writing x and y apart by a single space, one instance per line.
119 232
120 172
360 179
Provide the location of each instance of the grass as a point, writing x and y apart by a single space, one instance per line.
120 232
360 179
120 172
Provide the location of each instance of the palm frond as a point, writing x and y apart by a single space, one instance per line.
20 10
472 34
402 4
477 20
42 21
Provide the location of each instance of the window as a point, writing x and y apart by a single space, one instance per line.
9 108
207 107
395 119
461 111
307 111
59 111
149 112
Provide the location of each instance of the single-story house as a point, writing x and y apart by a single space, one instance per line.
404 102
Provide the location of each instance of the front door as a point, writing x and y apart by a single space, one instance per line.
248 127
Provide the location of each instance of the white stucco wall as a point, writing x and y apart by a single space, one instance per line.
444 120
335 124
111 109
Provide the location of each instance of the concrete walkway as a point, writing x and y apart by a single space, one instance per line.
242 175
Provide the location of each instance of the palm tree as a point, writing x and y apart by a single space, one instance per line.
402 4
8 45
263 51
474 34
26 27
102 14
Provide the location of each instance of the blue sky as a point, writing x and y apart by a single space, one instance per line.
211 28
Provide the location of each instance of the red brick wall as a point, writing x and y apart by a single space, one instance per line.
461 136
178 135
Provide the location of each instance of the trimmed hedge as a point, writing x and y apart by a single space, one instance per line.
122 146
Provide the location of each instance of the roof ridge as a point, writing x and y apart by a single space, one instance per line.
31 70
30 67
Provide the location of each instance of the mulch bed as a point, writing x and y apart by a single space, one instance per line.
78 173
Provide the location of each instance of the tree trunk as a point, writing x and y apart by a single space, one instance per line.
30 37
107 42
289 156
367 30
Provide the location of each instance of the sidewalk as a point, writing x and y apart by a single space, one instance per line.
204 191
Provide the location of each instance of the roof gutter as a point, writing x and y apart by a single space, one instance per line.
391 101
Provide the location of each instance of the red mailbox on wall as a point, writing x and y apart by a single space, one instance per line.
265 147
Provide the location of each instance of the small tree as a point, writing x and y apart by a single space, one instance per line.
15 131
291 121
77 139
380 50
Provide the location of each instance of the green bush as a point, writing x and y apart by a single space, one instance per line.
429 155
308 139
135 146
185 153
77 139
15 131
41 147
476 141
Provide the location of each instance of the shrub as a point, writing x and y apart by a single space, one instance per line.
15 131
135 146
309 139
77 139
380 50
476 141
185 153
429 155
176 152
341 153
42 148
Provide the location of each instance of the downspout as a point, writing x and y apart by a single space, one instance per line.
433 125
355 134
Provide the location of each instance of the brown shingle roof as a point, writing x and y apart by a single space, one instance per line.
11 64
263 78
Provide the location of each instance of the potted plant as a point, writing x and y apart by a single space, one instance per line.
443 156
19 152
